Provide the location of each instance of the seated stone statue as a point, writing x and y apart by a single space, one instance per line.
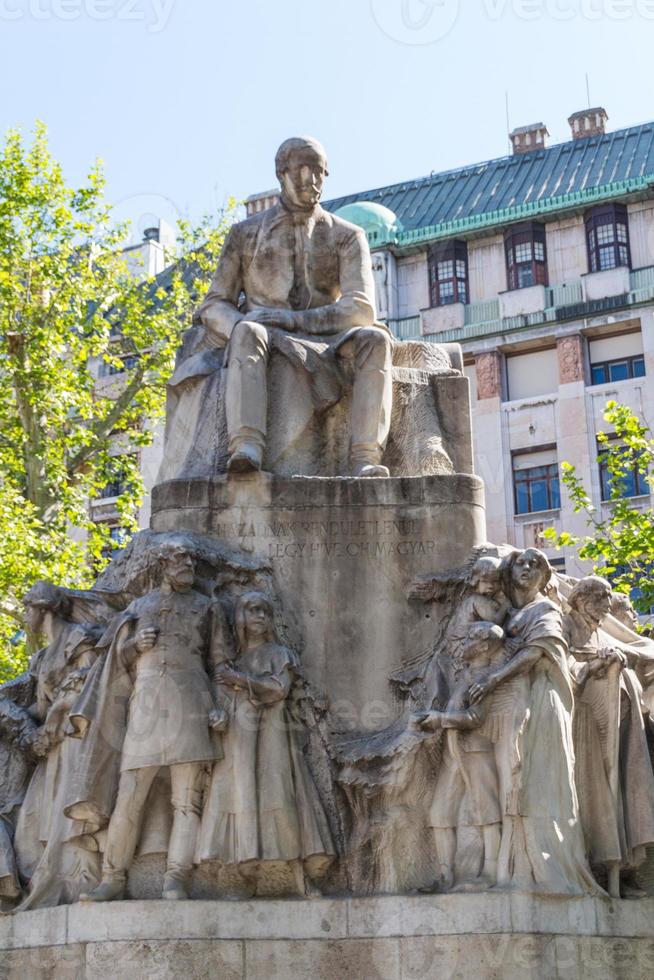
298 270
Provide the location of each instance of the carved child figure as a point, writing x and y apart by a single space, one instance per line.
467 787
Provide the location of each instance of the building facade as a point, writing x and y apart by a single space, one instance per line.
541 265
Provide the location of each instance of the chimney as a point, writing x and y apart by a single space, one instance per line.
151 234
261 202
588 122
526 139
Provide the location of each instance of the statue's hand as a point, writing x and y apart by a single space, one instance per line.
218 720
610 655
283 319
481 689
229 676
146 638
429 721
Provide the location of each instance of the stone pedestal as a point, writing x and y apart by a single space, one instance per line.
343 554
451 937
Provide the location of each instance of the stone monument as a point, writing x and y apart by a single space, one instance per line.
313 680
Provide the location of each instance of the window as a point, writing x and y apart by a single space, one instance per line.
633 483
536 482
448 273
607 237
618 358
526 256
532 373
118 537
128 363
622 370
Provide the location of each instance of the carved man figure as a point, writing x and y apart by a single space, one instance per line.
170 641
297 269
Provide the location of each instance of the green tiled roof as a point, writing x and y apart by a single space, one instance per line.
514 188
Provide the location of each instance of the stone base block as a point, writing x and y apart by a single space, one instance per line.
343 554
450 937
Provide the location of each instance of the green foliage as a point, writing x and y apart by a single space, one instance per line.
620 545
69 302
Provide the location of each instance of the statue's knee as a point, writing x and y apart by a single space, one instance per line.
374 344
249 338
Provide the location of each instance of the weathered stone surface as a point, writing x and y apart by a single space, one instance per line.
165 960
339 548
395 938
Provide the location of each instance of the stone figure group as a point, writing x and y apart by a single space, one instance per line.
545 772
168 727
176 724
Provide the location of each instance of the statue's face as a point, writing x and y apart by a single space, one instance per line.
256 619
527 570
179 570
34 616
489 583
596 605
304 177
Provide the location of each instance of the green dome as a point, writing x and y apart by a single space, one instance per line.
379 223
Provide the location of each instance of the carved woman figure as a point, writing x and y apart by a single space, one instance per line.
263 807
59 671
542 846
614 774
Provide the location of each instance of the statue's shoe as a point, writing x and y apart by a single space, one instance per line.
107 891
371 469
246 459
174 890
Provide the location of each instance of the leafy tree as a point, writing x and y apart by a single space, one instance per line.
68 303
620 545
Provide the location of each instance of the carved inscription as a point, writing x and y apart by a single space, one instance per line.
334 539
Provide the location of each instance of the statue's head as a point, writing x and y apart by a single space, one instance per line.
485 576
592 597
178 566
301 166
623 610
253 619
526 573
44 598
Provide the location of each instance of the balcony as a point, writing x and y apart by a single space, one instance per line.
568 301
609 282
436 319
522 302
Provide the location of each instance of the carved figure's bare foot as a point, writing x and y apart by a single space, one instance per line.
107 891
246 459
371 469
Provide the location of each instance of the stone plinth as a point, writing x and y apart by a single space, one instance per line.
449 937
343 553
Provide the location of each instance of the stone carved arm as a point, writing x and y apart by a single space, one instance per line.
464 720
219 311
521 663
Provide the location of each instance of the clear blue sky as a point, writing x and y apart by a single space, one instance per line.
187 100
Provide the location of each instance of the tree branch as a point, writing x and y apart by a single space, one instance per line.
105 426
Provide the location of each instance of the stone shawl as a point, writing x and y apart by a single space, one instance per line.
543 847
616 830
